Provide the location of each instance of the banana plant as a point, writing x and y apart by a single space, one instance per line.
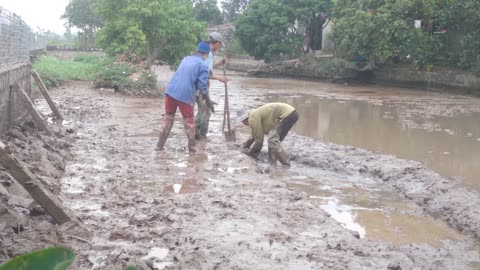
55 258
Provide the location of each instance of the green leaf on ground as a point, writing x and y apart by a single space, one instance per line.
55 258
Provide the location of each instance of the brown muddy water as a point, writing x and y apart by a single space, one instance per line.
441 131
449 145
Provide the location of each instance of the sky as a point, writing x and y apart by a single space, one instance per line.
39 14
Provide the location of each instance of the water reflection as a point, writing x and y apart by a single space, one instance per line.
377 215
448 145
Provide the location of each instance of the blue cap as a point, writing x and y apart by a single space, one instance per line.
203 47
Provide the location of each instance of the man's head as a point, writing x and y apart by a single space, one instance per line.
203 48
242 116
216 41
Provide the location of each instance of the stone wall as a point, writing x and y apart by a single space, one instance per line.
312 66
454 81
323 67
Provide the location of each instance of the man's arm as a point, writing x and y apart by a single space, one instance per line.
202 80
219 78
257 138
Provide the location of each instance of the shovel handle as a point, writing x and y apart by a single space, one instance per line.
227 109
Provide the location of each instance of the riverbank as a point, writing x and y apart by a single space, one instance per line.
327 68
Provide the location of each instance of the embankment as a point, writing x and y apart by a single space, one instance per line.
319 67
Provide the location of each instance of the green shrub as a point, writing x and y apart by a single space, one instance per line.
118 76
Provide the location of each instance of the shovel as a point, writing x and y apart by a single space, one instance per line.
229 133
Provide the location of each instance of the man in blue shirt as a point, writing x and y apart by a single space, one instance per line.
192 74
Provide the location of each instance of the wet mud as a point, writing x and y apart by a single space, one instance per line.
216 209
24 225
219 209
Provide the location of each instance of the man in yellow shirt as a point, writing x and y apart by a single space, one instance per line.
274 120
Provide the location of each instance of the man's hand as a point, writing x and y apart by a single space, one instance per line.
223 79
248 143
208 102
220 63
250 153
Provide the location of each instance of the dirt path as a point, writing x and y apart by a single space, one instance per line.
211 210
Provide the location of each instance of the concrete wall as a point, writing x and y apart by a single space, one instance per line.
454 81
11 110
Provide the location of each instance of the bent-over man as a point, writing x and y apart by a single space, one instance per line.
274 120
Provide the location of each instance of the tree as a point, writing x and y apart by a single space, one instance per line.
383 30
232 8
81 14
207 11
461 19
270 28
153 28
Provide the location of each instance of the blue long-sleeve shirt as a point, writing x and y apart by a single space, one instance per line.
192 74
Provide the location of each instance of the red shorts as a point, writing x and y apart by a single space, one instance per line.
171 105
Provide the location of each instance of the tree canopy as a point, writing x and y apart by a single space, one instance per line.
270 28
82 14
233 8
207 11
384 30
378 30
155 28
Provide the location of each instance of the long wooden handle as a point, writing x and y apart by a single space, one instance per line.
227 109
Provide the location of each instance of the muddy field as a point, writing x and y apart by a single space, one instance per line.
219 209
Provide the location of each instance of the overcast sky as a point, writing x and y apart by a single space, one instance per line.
37 13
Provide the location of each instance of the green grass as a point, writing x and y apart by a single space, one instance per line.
54 71
102 70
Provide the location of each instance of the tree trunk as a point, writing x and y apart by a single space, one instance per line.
149 57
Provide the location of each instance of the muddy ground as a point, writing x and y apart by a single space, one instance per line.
218 209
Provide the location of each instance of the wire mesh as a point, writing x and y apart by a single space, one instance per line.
17 39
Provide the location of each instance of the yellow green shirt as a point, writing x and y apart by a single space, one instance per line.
265 118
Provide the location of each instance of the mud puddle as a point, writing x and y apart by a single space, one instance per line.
374 213
446 144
